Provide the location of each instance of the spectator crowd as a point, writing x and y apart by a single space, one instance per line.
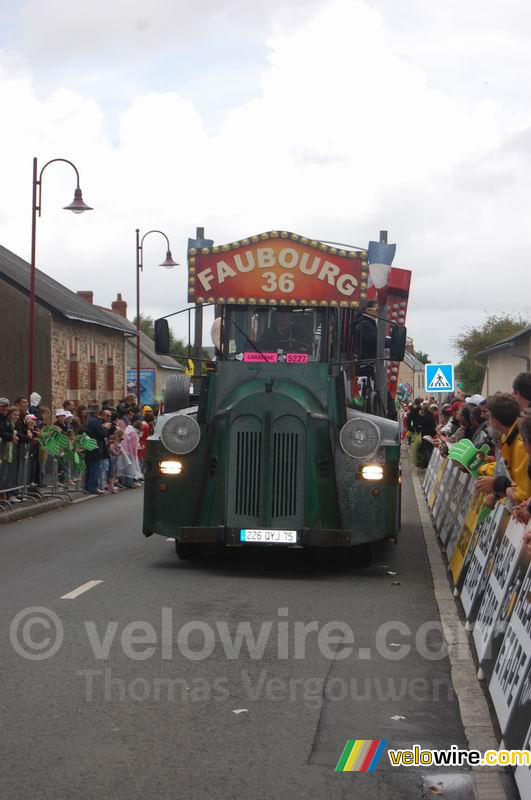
99 447
498 427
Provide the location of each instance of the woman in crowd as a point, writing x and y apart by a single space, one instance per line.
129 472
81 415
143 432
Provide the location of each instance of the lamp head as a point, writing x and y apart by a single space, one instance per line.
168 261
78 205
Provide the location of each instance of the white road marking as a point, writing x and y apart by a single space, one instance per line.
171 539
80 590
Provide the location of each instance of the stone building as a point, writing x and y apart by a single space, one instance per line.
154 369
80 351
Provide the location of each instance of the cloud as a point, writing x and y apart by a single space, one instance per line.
139 28
345 134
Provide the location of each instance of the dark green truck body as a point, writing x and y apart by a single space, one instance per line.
269 457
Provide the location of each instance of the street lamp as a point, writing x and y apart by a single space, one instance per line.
168 263
77 205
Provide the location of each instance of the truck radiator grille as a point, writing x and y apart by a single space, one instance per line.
284 475
249 458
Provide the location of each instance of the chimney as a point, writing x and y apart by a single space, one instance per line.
88 296
119 306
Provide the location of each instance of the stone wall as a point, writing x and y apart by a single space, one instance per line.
77 342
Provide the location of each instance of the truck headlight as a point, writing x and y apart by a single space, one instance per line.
180 434
171 467
359 437
372 472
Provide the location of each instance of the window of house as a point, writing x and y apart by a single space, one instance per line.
92 376
73 373
109 376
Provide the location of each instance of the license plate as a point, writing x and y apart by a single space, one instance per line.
268 537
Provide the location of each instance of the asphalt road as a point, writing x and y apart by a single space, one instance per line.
181 713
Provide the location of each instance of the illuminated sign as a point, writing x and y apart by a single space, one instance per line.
278 268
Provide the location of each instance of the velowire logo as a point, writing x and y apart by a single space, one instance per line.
361 755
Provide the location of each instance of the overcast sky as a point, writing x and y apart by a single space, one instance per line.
330 119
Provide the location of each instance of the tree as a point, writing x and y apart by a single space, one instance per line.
422 357
147 325
472 340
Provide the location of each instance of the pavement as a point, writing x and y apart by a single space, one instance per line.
122 675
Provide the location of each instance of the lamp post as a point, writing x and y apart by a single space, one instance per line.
77 206
168 263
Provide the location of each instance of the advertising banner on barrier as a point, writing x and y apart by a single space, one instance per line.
491 568
499 598
489 537
431 471
466 537
437 482
510 685
465 499
446 505
522 775
447 479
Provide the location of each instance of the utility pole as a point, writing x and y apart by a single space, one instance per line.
198 329
381 333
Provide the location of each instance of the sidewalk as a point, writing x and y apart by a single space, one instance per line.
31 507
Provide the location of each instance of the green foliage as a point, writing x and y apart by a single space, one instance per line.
423 357
474 339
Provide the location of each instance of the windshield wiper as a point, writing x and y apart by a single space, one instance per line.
253 345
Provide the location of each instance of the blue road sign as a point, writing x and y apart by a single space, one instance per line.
439 377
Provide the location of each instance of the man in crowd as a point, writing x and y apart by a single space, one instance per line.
522 390
98 430
22 405
453 423
504 415
7 431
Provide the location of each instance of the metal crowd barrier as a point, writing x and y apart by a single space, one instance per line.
491 574
29 475
59 478
14 472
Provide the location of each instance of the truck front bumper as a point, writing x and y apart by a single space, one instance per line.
230 537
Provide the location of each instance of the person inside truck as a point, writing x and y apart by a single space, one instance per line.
288 331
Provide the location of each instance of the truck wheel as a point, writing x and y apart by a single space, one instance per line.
187 550
177 393
363 554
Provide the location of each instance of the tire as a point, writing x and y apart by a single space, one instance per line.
186 550
177 393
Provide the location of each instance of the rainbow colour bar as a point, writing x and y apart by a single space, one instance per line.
361 755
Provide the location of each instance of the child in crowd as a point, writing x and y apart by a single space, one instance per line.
115 451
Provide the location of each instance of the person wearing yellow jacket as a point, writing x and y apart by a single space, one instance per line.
504 414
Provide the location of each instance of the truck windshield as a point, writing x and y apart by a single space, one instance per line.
276 333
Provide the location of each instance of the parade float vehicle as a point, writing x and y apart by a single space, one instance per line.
292 439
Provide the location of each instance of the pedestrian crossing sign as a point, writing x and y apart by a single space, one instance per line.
439 377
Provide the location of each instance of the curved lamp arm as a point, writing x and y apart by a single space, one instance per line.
78 205
140 251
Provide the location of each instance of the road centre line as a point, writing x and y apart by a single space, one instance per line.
80 590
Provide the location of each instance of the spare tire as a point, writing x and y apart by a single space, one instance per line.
177 393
